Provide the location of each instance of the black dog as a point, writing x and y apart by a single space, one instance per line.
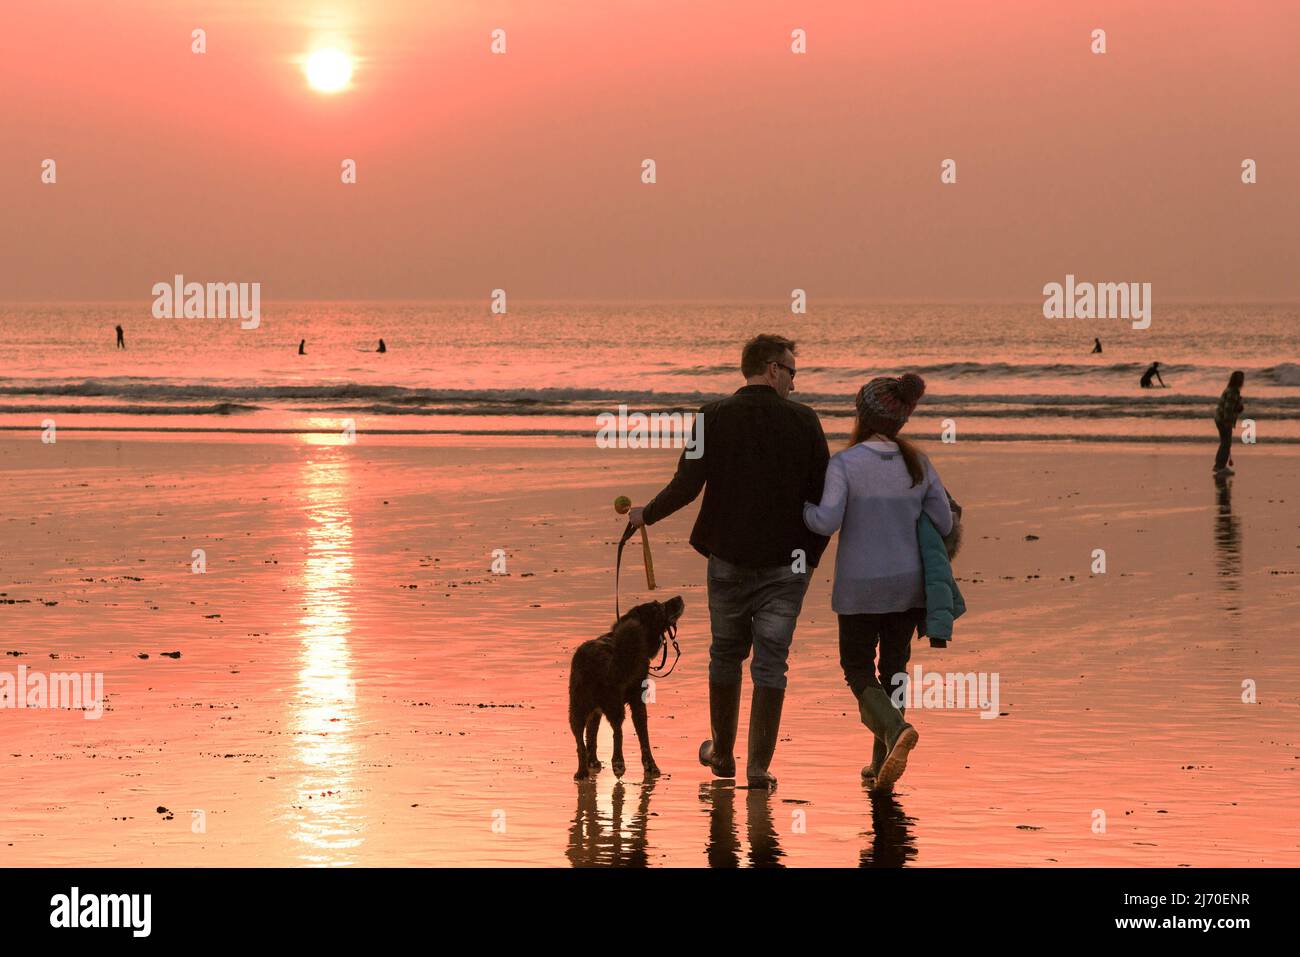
606 676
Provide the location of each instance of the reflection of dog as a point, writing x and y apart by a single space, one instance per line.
606 675
616 840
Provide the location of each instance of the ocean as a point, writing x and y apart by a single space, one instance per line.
993 371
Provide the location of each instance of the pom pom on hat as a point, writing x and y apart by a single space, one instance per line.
885 404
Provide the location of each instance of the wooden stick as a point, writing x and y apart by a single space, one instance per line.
649 562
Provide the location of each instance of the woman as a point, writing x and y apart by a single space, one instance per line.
875 492
1225 419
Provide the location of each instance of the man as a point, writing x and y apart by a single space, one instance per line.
1154 370
765 456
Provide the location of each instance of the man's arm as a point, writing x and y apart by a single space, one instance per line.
683 488
817 466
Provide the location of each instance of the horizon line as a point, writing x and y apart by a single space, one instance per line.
674 300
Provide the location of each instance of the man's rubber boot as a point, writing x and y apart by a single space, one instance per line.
872 771
764 725
718 752
879 714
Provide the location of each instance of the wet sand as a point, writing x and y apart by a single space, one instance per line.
356 686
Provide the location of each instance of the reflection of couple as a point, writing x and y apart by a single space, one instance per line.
619 838
772 494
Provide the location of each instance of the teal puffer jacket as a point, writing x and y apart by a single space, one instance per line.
943 601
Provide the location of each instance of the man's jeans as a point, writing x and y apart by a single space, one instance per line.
752 608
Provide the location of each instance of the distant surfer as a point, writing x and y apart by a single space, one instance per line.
302 347
1153 371
382 347
121 338
1096 346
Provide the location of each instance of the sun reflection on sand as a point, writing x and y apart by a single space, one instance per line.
324 706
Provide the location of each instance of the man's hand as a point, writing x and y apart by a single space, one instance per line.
636 516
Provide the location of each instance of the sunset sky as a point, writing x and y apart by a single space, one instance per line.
775 170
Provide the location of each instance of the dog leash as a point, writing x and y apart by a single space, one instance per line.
618 565
668 636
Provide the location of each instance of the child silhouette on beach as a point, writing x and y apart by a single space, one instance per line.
1225 420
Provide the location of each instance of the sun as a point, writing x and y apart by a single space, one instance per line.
328 70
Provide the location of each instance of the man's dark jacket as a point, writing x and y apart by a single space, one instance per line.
763 457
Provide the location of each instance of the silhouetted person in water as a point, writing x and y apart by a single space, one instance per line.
302 347
121 338
1096 346
1153 371
382 347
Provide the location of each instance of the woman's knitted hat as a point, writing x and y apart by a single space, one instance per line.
884 404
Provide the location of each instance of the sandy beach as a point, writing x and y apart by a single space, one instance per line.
355 686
